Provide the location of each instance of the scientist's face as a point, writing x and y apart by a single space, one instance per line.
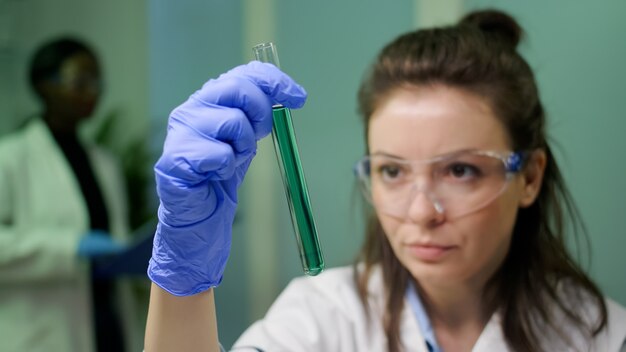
71 96
426 122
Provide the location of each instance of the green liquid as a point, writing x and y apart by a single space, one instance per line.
297 191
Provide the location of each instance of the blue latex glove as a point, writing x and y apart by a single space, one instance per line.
98 243
211 140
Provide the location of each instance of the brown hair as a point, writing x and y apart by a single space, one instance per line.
479 55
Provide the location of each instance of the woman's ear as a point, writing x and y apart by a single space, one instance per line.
533 177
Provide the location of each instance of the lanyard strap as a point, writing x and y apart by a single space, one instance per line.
422 318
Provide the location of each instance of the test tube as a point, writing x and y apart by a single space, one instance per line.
286 148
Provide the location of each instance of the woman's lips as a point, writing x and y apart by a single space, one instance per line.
430 252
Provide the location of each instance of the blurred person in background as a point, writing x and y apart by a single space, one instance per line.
63 208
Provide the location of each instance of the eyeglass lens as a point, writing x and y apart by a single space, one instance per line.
457 184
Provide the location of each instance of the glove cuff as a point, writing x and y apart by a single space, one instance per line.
172 286
183 266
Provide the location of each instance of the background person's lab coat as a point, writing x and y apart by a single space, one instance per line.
45 298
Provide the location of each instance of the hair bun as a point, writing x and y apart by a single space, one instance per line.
496 23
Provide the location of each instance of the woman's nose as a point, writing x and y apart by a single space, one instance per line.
424 208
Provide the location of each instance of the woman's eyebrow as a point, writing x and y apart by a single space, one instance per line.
437 156
381 153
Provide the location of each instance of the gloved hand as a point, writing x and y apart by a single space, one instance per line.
98 243
211 140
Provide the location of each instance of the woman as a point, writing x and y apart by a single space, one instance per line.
62 206
465 248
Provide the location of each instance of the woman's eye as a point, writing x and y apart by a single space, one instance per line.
463 171
390 172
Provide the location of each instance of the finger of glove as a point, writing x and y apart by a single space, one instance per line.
276 84
206 143
181 204
254 88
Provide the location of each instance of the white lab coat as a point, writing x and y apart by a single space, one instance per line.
324 313
45 299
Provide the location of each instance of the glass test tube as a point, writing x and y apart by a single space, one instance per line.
296 190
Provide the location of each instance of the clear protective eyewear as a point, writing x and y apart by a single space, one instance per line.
457 184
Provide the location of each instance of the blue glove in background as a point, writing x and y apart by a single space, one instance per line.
211 140
98 243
